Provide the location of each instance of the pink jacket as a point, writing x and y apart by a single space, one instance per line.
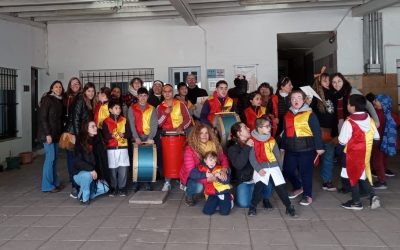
190 161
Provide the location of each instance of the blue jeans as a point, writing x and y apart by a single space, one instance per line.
326 162
244 193
49 177
84 179
193 187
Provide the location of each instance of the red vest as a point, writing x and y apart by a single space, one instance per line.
264 151
114 128
142 118
251 116
216 106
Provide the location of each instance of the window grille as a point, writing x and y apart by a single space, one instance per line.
117 77
8 103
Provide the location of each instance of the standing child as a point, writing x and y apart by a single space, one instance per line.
116 133
300 140
266 161
143 123
217 188
357 134
101 110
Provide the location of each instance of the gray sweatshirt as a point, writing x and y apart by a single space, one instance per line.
252 157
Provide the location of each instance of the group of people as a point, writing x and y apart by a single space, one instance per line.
281 137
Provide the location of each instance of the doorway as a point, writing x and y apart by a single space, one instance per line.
302 54
34 107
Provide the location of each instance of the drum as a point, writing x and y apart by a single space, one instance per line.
172 153
223 121
144 163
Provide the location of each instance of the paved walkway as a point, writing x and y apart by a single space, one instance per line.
30 219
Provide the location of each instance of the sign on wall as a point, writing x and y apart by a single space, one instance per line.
250 71
213 76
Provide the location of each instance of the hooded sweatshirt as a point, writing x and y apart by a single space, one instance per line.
260 142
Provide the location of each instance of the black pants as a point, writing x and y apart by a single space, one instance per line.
213 202
355 190
280 190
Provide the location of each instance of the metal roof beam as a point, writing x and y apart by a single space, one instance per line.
186 12
4 3
372 6
23 21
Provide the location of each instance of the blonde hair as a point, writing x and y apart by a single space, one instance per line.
193 139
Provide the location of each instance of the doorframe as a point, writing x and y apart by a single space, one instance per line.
34 106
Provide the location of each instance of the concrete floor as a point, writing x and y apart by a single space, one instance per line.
30 219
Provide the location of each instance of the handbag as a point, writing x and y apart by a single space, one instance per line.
67 141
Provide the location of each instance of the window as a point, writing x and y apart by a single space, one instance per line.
117 77
8 103
179 74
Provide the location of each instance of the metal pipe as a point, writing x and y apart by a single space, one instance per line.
370 37
376 38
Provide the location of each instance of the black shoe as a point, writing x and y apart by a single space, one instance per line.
290 211
112 193
328 186
379 185
267 204
146 187
252 212
122 193
352 205
389 173
189 201
85 203
74 193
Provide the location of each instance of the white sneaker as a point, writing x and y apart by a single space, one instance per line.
375 202
166 187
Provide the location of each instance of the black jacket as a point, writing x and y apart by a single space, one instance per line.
50 118
194 93
69 104
154 100
239 158
93 160
81 114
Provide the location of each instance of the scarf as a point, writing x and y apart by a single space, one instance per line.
132 91
389 138
59 97
207 147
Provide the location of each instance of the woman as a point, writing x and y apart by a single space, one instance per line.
131 97
116 94
73 89
182 96
343 90
281 101
50 130
325 111
238 154
266 92
84 107
89 172
155 94
200 140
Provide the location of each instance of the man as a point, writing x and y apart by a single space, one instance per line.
219 102
194 91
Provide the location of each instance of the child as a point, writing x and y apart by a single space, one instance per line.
116 133
216 190
358 133
255 110
101 110
266 161
388 132
143 123
301 138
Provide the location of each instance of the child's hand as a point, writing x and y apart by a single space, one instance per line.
211 179
208 175
262 172
250 143
223 176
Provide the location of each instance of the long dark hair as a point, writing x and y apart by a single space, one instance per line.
52 85
235 129
89 103
346 89
267 86
84 137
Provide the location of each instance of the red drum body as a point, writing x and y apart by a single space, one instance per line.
172 154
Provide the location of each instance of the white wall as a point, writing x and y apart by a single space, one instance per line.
391 38
21 47
231 40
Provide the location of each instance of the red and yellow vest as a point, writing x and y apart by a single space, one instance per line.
211 188
297 125
358 152
174 119
114 128
142 118
251 116
264 151
101 113
216 106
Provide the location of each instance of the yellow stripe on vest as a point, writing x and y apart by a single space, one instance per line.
176 114
301 124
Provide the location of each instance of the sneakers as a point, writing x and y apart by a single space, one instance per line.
352 205
252 212
122 192
305 201
267 204
375 202
379 185
85 203
113 193
74 193
389 173
166 187
189 201
290 211
328 186
296 193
